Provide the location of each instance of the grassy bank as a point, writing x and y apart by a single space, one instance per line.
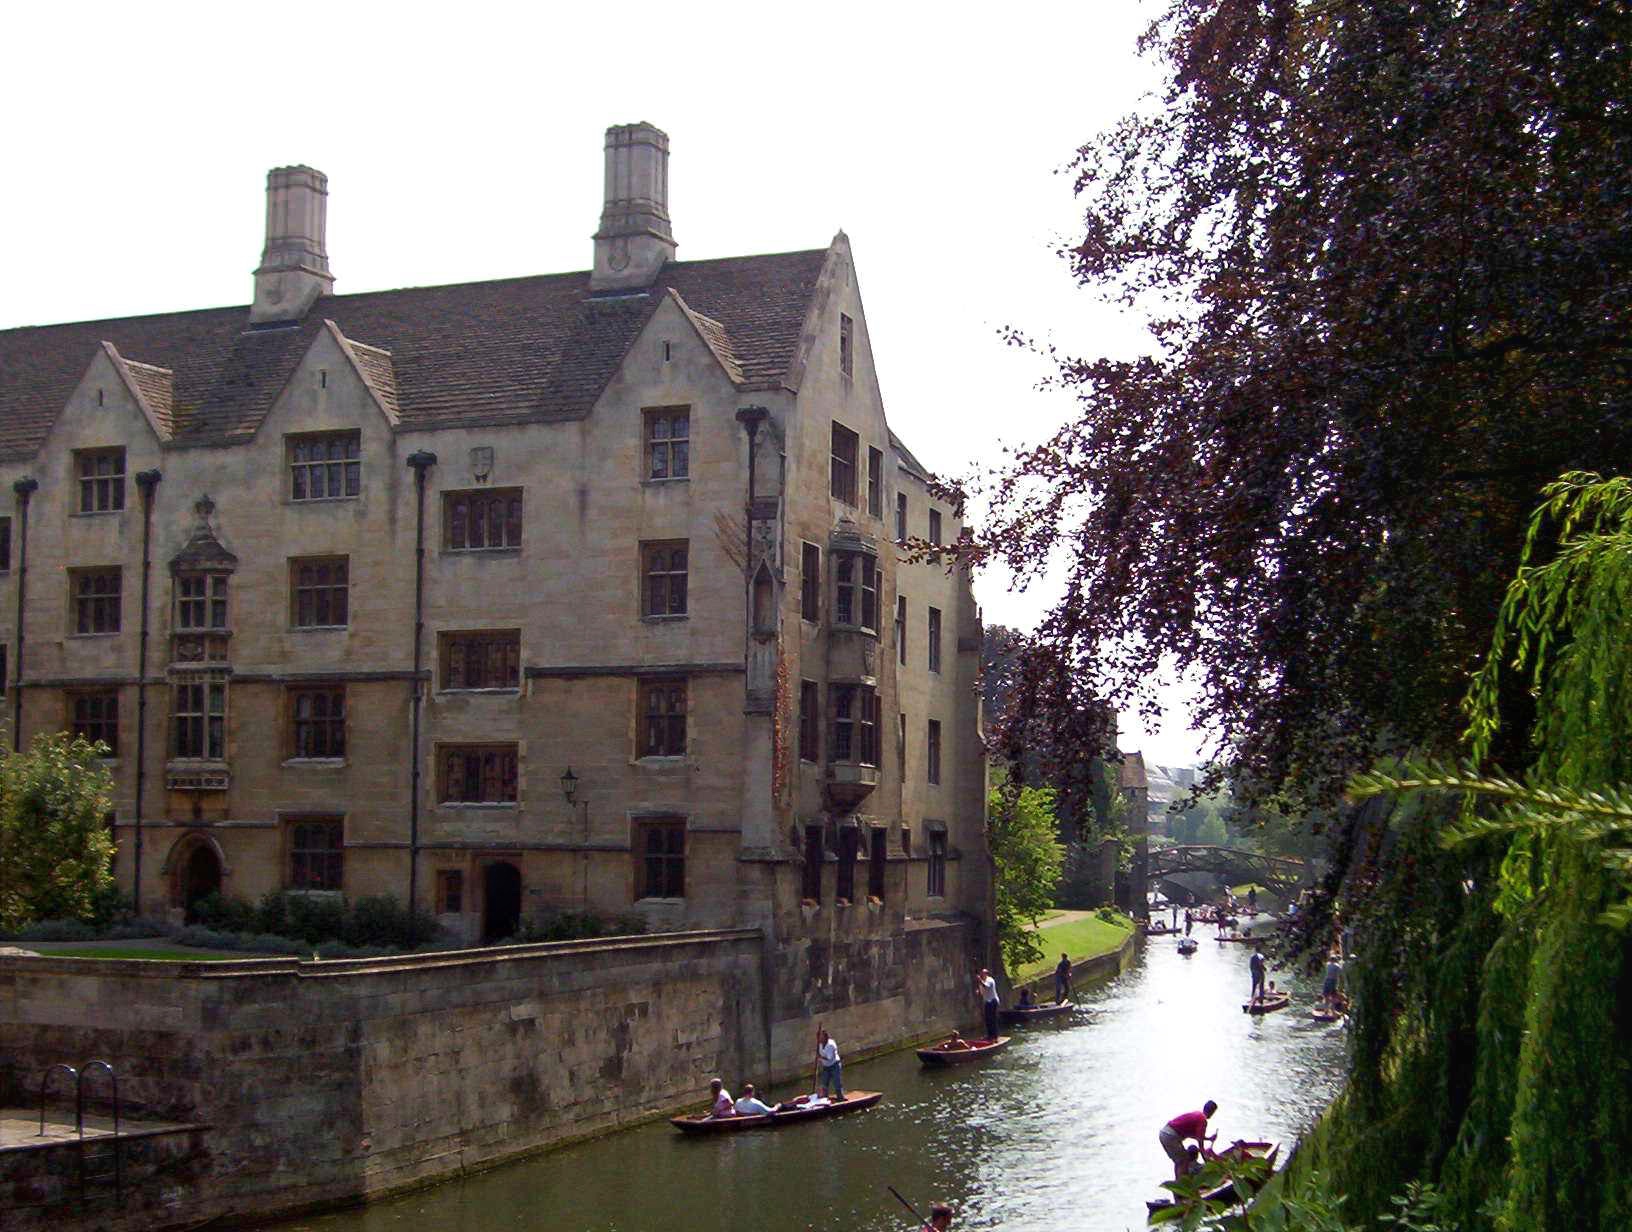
1083 938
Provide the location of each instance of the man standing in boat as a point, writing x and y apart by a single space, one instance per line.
1186 1125
1258 968
986 989
1062 981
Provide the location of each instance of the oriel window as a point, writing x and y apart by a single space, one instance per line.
101 479
668 443
200 718
201 601
325 466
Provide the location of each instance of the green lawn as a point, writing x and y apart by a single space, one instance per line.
178 954
1084 938
1240 891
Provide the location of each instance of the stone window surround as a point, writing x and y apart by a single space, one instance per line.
75 599
438 766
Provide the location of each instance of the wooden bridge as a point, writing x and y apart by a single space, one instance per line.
1281 874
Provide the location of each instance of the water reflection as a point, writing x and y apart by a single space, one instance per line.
1059 1131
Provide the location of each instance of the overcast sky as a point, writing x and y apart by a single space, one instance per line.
463 142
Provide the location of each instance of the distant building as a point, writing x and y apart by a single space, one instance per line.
576 591
1135 787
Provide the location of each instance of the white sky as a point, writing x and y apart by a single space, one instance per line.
463 142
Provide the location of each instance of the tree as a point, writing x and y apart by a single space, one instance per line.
1028 859
1382 252
1565 881
56 850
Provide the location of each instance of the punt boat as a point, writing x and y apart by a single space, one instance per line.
1268 1005
781 1119
940 1055
1235 1151
1034 1012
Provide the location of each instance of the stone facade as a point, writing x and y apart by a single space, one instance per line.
274 458
398 1072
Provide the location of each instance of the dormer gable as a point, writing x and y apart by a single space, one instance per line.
331 363
714 337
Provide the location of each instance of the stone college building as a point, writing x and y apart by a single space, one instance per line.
563 592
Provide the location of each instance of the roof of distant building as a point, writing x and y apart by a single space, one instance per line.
1132 771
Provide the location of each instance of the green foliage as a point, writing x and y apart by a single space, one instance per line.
577 925
1543 1124
1028 859
373 922
56 852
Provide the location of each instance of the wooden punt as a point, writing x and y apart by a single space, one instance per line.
1326 1015
1031 1014
1243 939
1189 945
1266 1151
1268 1005
958 1056
781 1119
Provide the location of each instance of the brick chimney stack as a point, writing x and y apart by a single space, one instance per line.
295 262
634 239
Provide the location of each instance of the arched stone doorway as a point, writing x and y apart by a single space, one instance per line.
501 900
196 871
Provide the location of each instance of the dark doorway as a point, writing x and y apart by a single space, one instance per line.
501 901
200 877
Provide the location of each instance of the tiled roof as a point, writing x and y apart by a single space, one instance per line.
912 464
511 350
158 388
1132 774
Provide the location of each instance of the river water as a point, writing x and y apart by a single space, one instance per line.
1057 1132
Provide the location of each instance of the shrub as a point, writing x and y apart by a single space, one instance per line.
132 928
206 938
380 920
230 915
275 945
56 930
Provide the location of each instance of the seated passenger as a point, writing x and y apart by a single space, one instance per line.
721 1099
751 1105
1026 1001
954 1043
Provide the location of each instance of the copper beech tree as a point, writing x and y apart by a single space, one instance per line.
1384 251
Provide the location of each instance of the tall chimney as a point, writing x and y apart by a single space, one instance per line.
634 239
295 263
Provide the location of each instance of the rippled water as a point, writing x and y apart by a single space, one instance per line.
1057 1132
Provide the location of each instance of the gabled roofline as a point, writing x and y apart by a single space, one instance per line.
161 428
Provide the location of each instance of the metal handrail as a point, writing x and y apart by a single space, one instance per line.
45 1081
79 1111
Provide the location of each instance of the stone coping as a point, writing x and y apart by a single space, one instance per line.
304 968
20 1129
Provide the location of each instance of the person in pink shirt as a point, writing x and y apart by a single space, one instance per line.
724 1105
1186 1125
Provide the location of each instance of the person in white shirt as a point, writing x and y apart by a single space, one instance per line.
827 1058
724 1106
986 986
750 1104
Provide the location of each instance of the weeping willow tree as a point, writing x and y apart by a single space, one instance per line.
1547 1131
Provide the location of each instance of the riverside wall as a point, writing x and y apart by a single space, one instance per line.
324 1083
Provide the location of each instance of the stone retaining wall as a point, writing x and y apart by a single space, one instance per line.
331 1082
